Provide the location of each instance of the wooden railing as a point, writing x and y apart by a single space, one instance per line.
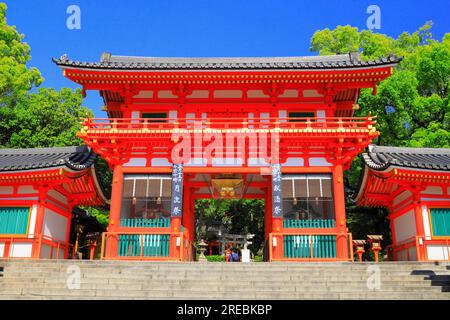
441 244
37 242
310 246
126 124
402 247
306 223
154 245
145 223
420 244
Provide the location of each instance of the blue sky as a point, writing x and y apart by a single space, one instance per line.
199 28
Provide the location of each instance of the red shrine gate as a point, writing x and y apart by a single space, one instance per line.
180 129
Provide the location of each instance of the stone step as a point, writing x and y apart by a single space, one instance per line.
4 261
206 273
46 279
203 282
232 288
219 277
296 266
276 276
228 270
224 269
255 283
195 294
292 279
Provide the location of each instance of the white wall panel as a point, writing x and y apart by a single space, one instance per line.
21 250
405 226
436 252
55 225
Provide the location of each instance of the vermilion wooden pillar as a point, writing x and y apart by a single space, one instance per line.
40 211
175 228
420 229
39 225
69 222
186 211
178 205
267 215
277 226
275 195
418 217
342 242
112 240
188 214
192 219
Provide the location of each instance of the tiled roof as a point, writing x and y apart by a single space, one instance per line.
381 158
342 61
75 158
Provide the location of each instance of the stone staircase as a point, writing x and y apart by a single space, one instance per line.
74 279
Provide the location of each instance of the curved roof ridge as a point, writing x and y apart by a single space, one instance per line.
42 150
336 57
76 158
340 61
414 150
382 157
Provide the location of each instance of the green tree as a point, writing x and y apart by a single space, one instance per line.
412 106
236 216
48 118
343 39
16 79
44 118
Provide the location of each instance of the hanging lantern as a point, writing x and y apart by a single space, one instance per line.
293 193
158 200
227 187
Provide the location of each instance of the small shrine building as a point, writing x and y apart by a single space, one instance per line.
281 129
414 185
38 190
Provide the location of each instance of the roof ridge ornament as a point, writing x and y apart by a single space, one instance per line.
105 57
354 56
64 58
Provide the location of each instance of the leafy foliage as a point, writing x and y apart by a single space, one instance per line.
101 215
16 79
241 217
215 258
48 118
412 106
43 118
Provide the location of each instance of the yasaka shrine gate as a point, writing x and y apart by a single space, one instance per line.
279 129
181 129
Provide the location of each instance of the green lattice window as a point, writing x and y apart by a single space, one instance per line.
440 221
148 245
304 246
14 220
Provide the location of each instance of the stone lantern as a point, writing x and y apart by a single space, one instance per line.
202 248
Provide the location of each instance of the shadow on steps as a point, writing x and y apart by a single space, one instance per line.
436 279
